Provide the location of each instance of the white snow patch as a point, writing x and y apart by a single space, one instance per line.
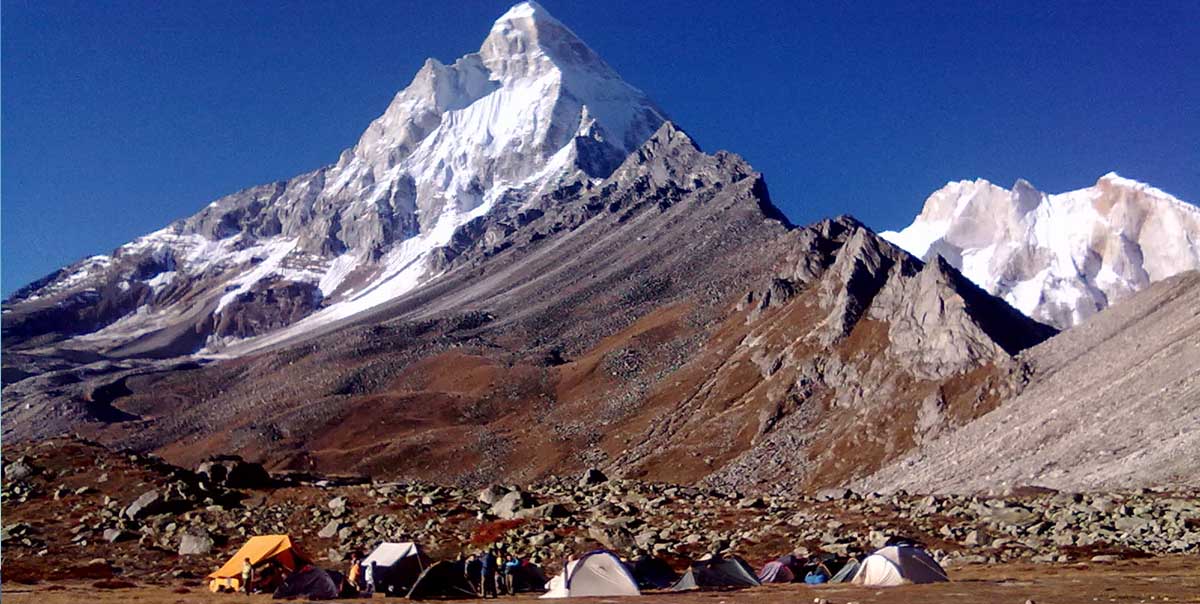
917 238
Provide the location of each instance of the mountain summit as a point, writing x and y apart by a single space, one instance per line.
533 108
1058 258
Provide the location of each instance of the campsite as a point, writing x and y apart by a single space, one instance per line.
61 545
1174 580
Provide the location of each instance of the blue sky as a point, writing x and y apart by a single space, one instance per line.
118 118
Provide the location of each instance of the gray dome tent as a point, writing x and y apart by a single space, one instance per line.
653 573
717 573
311 583
444 580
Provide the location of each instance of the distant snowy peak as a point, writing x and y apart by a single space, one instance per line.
531 88
1058 258
534 108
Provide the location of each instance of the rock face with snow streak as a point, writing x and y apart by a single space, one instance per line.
534 107
1058 258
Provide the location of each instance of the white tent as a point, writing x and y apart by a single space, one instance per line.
388 554
598 573
898 565
397 566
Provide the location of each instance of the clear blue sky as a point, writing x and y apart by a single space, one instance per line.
119 117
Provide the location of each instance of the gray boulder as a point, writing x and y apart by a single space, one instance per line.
330 530
613 537
114 535
592 477
18 470
149 503
337 506
508 506
491 494
195 544
1011 516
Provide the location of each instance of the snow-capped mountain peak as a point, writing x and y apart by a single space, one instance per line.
534 106
1059 258
527 39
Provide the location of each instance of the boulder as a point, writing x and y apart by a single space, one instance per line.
97 568
330 530
337 506
18 470
147 504
613 537
248 475
752 503
508 506
1131 524
1011 516
114 535
195 544
550 510
592 477
491 494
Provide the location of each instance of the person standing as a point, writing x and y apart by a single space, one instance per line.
354 577
370 578
474 570
247 575
511 568
489 573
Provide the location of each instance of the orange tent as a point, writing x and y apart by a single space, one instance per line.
259 550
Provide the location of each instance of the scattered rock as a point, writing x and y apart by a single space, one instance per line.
330 529
195 544
491 494
18 470
507 507
113 535
337 506
147 504
592 477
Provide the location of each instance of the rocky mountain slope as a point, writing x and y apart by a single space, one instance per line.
1058 258
532 108
664 322
599 295
1114 403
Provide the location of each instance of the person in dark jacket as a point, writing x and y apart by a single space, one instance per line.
489 568
474 571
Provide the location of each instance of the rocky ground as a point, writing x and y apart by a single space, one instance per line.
74 512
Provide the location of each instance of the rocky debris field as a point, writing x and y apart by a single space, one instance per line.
73 510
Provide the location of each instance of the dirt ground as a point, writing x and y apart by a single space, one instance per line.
1168 579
